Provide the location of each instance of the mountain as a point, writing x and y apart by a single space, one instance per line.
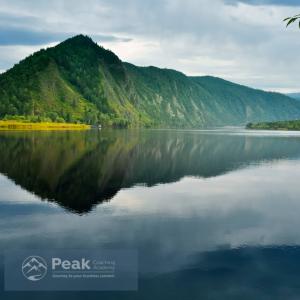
80 81
294 95
34 268
27 265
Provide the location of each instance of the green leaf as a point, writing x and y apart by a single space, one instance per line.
291 21
286 19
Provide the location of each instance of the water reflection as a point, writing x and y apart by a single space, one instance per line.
81 169
214 215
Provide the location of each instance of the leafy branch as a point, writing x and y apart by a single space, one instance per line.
292 20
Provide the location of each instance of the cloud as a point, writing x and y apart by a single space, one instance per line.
294 3
244 43
10 55
10 36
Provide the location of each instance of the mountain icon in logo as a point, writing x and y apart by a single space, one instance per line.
34 268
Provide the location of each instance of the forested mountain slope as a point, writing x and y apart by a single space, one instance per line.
247 104
80 81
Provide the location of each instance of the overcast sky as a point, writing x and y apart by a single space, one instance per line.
244 41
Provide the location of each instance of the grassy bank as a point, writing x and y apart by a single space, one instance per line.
14 125
280 125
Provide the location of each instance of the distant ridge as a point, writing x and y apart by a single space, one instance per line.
293 95
79 81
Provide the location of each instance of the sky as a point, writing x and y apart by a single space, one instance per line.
243 41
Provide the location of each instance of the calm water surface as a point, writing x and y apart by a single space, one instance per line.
214 214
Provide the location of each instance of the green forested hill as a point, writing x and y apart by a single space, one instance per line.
247 104
79 81
76 80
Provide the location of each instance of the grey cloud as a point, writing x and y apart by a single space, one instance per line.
15 19
108 38
254 44
10 36
294 3
17 36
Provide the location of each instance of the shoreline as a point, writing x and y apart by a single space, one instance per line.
11 125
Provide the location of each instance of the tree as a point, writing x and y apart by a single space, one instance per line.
12 110
52 115
2 110
74 102
26 109
72 119
292 20
94 118
59 120
88 118
68 117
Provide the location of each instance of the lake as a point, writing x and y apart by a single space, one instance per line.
214 214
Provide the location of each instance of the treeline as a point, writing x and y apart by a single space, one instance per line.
284 125
90 119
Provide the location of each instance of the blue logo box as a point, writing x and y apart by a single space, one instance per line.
71 270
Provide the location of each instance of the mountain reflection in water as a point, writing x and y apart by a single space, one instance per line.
80 169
